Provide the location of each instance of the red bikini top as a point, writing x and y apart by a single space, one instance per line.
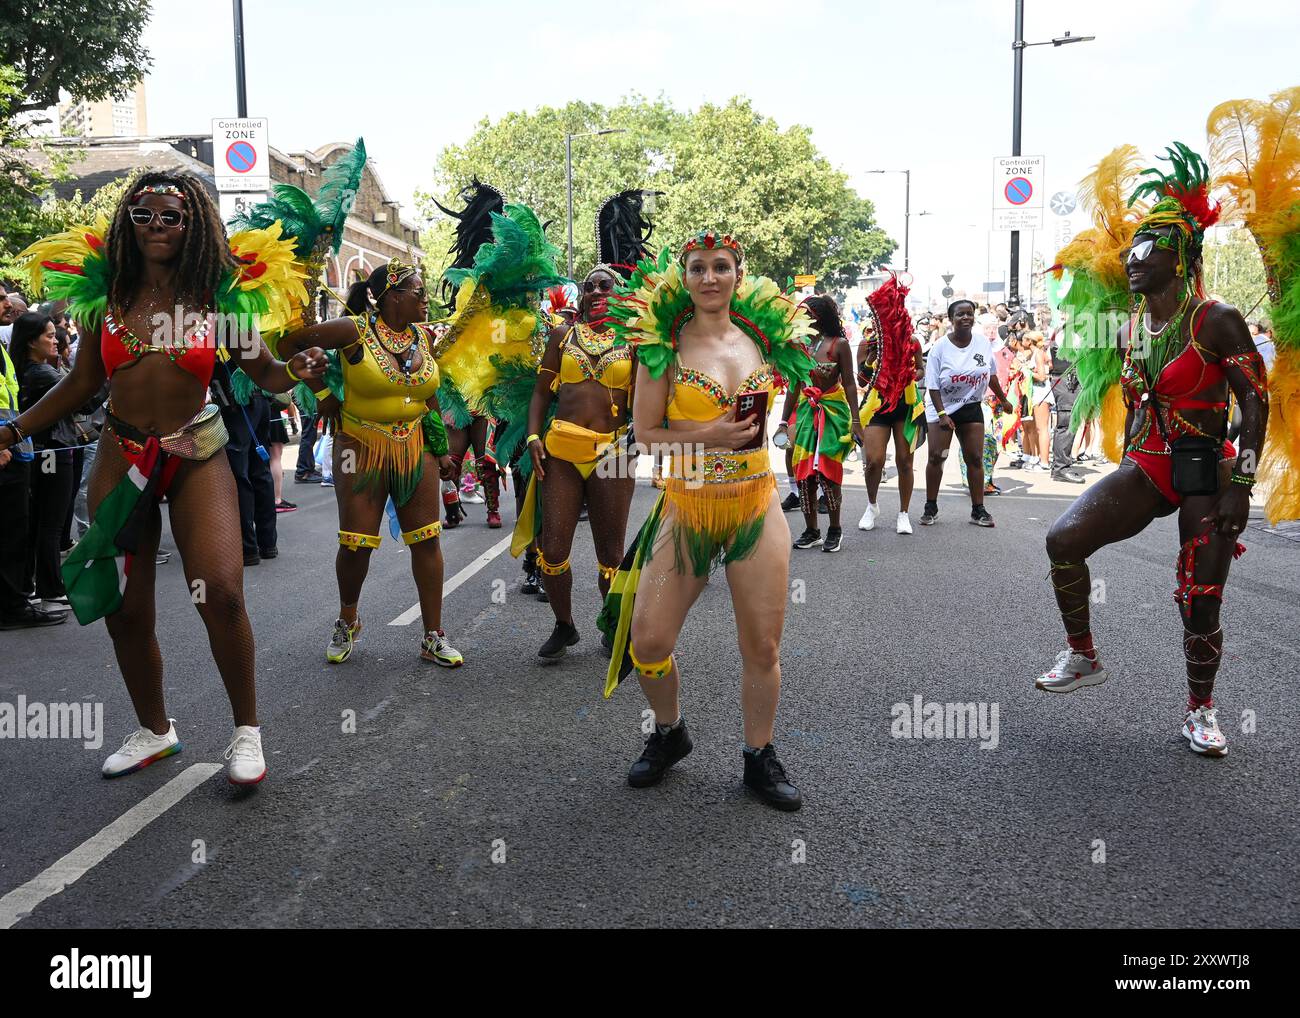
197 355
1183 378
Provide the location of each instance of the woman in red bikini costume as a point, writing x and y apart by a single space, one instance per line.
165 253
1183 353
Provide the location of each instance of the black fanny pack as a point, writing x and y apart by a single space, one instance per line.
1194 458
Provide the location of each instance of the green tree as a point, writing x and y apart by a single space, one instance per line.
1234 272
92 49
21 184
723 166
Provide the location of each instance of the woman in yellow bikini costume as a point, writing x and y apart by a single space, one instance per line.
390 441
706 335
580 454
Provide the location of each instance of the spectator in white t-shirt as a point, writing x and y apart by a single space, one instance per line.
958 373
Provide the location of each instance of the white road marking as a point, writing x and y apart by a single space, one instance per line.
413 613
22 901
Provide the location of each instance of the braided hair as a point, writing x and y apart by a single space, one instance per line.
204 257
825 314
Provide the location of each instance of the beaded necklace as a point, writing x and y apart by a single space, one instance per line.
396 343
1155 349
399 374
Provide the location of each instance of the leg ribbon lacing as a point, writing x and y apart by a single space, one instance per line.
549 569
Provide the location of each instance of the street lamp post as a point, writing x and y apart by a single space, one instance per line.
568 172
907 212
1018 47
241 89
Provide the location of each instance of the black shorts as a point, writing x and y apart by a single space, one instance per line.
887 419
971 413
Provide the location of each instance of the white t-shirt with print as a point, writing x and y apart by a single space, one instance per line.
960 374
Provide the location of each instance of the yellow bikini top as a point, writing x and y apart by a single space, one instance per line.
375 388
613 365
699 397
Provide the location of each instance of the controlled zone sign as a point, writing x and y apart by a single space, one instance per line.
1018 192
241 159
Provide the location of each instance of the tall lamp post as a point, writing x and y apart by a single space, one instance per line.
241 89
1018 47
568 172
907 212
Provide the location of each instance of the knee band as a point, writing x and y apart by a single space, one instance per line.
419 534
653 670
607 572
353 541
548 568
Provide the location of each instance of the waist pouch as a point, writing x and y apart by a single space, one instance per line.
568 441
1195 460
200 439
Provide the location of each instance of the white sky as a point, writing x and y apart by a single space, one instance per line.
924 84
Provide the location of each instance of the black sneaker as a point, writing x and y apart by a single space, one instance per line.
979 516
532 579
808 539
660 753
822 508
310 477
766 778
833 538
563 636
31 617
930 515
791 503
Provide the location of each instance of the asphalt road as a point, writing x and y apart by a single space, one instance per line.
398 824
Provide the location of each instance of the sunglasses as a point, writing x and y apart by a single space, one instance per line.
142 216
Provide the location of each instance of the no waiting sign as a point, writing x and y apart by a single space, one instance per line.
1018 192
241 158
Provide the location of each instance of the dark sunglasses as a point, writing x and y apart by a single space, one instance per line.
141 215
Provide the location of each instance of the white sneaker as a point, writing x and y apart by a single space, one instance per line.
904 524
1201 728
247 765
141 748
1071 671
868 521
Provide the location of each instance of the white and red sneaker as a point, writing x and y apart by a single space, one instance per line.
247 765
1071 671
1201 729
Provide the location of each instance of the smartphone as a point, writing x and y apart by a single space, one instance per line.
753 404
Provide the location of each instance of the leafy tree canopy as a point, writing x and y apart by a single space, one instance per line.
725 166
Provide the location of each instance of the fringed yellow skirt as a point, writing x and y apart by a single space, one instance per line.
717 502
391 453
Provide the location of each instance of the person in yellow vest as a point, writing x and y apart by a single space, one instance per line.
389 442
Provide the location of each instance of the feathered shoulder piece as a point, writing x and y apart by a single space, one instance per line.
307 228
268 282
1255 148
72 266
648 312
498 317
